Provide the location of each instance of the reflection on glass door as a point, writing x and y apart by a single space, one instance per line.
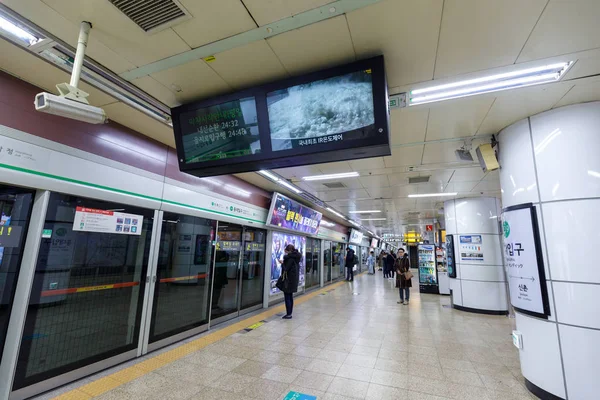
313 249
15 210
253 273
228 253
327 259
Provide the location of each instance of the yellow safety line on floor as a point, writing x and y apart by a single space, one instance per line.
128 374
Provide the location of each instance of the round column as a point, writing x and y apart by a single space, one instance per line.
480 284
553 161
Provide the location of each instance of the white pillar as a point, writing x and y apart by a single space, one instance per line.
553 161
480 284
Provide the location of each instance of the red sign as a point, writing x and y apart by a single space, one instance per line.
429 228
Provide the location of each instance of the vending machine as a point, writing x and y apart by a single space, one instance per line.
428 280
442 270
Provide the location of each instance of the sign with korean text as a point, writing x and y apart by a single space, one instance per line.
106 221
523 258
471 248
289 214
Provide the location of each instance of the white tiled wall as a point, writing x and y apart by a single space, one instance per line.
484 295
576 304
581 356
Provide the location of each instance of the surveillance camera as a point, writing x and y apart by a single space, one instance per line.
63 107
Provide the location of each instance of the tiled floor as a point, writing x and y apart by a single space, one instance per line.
351 343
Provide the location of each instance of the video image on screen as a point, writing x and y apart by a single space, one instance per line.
322 111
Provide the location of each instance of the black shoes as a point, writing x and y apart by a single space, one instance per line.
286 317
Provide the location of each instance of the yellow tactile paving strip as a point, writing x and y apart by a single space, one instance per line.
128 374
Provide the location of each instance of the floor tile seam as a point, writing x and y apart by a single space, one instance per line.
170 356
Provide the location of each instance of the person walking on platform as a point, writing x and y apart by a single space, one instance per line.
371 263
288 282
350 261
403 276
390 260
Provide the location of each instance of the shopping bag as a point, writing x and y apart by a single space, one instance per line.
283 282
354 268
408 275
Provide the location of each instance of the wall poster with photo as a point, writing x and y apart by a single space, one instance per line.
280 241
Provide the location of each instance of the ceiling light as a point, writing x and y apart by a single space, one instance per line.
335 212
353 223
327 223
374 219
433 194
289 186
15 32
269 175
492 83
365 212
331 176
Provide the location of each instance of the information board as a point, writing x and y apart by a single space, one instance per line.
289 214
524 262
356 236
222 131
471 248
105 221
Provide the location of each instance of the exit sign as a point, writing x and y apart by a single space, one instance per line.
429 228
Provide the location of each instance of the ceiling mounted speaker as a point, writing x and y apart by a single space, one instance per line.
487 157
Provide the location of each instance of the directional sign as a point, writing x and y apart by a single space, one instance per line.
523 258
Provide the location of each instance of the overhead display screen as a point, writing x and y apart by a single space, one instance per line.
222 131
332 115
321 112
289 214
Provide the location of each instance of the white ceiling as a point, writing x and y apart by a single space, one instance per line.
423 40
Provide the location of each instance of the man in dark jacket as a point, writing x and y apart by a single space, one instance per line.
390 261
350 261
290 265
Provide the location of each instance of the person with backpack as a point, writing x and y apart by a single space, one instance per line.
288 281
350 261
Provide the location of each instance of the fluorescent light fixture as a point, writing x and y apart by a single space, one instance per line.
371 232
594 174
491 83
331 210
353 223
331 176
289 186
268 175
327 223
433 195
365 212
373 219
18 33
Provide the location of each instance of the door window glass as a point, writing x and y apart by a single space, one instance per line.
253 272
226 267
87 294
312 262
182 290
15 210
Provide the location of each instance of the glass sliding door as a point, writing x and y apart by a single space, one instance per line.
327 259
182 290
15 210
86 300
313 250
338 257
239 269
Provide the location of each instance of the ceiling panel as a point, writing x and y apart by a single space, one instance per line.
588 63
379 192
470 26
335 168
404 156
408 125
443 152
588 90
487 186
492 176
406 32
140 122
320 45
252 64
467 174
457 118
564 27
370 181
369 164
321 187
267 11
514 105
68 31
460 187
157 90
401 179
299 172
213 20
195 79
342 194
118 32
38 72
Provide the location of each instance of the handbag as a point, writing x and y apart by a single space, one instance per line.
408 275
283 282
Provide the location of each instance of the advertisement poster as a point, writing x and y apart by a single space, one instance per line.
356 236
280 241
292 215
471 248
526 278
104 221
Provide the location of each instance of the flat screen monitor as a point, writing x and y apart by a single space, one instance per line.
374 243
332 115
356 236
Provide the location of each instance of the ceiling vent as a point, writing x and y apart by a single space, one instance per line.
152 15
419 179
335 185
